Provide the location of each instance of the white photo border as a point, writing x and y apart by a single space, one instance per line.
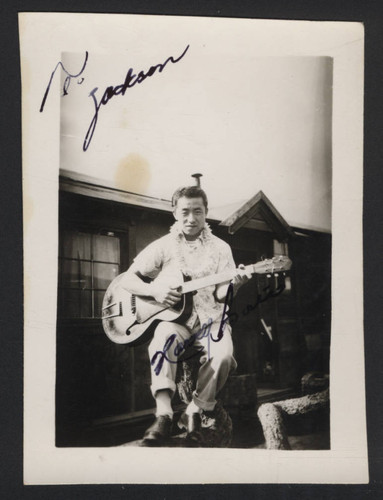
44 36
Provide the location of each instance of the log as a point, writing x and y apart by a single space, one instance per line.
272 421
273 427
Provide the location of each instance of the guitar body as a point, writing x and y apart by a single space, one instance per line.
129 319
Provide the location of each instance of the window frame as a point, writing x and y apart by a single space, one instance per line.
123 229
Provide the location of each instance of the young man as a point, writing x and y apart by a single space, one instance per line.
192 249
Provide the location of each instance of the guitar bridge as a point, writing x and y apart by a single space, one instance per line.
116 315
133 304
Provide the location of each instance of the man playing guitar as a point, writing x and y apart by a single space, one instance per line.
191 248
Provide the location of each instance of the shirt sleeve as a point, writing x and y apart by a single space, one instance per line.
149 261
226 261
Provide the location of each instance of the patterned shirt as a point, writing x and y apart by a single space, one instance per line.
205 256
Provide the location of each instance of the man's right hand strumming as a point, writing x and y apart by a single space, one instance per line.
164 294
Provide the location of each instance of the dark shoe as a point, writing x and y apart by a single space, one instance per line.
193 428
209 418
158 432
210 414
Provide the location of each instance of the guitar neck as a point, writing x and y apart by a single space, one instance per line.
270 266
214 279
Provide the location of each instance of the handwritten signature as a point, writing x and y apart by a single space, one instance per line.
67 80
131 79
205 332
180 347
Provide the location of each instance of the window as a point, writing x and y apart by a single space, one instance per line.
88 262
281 248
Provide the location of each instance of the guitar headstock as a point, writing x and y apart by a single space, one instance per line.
271 266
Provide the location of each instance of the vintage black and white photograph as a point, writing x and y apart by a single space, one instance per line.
231 353
196 257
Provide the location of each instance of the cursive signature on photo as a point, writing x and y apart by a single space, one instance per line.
205 331
131 79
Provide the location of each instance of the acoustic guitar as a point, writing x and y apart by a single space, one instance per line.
131 319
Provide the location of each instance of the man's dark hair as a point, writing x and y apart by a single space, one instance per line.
189 192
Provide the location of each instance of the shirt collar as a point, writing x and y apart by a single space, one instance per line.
176 232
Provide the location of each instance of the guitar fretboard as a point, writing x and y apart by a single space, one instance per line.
271 266
214 279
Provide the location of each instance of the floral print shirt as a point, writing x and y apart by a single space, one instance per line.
167 256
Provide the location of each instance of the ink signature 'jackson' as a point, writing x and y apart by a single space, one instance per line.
131 79
205 332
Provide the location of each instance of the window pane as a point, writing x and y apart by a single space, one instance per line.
76 245
104 274
280 248
76 303
106 248
76 274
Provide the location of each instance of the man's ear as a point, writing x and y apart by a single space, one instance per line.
174 214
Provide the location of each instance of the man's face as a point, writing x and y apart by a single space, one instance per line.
191 213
